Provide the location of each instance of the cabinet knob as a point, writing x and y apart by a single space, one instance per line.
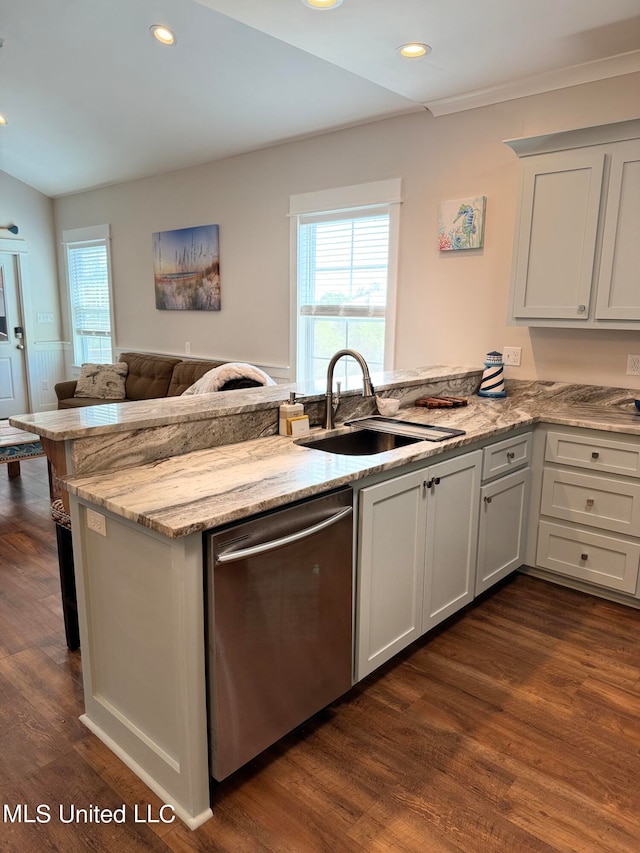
582 309
511 455
487 499
590 502
595 455
584 556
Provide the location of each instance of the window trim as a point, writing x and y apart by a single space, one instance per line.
74 237
381 194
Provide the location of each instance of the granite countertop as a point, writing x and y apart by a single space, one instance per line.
144 414
206 488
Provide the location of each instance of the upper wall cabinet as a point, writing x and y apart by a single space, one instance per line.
576 251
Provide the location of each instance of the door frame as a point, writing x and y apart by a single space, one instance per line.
17 246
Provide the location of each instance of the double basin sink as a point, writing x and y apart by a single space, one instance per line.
376 435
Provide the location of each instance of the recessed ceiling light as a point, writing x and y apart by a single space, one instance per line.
413 50
163 34
2 119
322 4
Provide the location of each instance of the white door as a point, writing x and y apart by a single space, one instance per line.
391 569
452 536
13 387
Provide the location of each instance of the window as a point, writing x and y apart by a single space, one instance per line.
345 278
89 280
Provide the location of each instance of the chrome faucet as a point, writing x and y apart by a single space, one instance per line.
367 387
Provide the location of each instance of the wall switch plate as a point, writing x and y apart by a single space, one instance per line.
512 356
44 317
633 365
96 522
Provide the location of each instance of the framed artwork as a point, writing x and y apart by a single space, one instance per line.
186 269
461 223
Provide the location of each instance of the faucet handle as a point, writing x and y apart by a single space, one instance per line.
336 396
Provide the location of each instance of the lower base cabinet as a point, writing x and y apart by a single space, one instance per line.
588 525
417 545
502 534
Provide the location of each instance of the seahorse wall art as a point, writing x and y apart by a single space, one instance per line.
461 224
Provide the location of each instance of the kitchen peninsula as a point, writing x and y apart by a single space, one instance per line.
146 480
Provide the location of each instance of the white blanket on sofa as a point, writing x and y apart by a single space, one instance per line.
216 378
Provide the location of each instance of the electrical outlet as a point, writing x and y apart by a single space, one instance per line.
187 347
45 384
512 356
96 522
633 365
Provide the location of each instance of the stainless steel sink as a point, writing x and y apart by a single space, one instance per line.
360 442
376 434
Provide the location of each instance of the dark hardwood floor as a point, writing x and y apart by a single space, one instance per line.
514 729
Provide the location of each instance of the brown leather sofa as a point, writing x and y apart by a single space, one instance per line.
150 377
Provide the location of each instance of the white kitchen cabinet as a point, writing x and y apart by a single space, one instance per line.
589 521
453 489
504 499
576 252
391 569
417 544
618 292
555 251
502 533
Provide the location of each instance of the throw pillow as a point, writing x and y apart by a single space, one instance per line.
102 381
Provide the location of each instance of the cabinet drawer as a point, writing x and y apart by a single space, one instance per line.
611 457
592 557
506 456
592 500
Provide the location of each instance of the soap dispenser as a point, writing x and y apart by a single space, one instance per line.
289 412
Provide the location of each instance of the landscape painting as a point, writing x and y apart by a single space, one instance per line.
461 224
186 265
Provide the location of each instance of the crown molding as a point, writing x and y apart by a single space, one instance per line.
562 78
617 131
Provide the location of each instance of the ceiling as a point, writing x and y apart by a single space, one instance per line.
92 99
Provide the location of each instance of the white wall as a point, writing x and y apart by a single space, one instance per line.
32 212
451 306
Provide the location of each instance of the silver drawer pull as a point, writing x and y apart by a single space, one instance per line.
582 309
487 499
511 455
590 502
595 455
584 556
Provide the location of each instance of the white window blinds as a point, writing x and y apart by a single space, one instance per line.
344 261
90 299
343 264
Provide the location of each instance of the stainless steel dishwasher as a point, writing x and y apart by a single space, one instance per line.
279 616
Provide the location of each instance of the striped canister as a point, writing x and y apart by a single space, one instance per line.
492 384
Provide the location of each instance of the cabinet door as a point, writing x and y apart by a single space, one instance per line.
556 240
391 563
501 540
618 285
452 536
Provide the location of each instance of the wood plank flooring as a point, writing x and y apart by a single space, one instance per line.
515 728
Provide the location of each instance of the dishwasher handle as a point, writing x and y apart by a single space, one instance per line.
232 556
